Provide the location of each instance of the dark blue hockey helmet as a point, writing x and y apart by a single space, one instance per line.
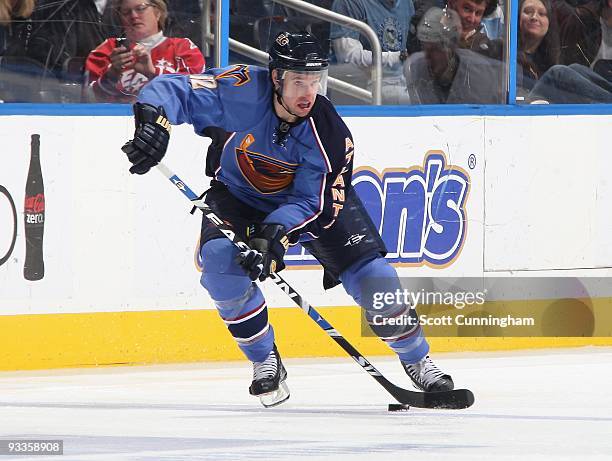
297 51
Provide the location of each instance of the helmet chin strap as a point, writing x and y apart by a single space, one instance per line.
282 131
279 98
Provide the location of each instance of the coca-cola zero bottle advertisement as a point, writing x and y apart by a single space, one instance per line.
34 216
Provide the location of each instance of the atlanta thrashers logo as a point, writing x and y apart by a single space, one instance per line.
240 73
266 174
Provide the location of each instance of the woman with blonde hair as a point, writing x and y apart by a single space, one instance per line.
120 67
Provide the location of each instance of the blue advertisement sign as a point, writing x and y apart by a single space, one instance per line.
420 211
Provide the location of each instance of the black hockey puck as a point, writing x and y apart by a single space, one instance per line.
398 407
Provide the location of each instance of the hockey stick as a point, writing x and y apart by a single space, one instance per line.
456 399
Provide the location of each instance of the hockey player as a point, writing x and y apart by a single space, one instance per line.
282 174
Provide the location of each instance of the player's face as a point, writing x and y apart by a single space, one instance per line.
139 19
470 13
300 91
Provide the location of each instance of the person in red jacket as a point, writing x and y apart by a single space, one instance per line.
119 67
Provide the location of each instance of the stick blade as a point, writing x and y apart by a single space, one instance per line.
451 400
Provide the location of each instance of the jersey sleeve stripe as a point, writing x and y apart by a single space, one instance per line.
320 144
229 138
319 208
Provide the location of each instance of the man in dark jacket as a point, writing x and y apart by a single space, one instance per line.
443 73
579 29
61 30
473 35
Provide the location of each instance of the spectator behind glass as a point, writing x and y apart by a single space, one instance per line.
538 44
12 15
573 84
184 20
389 19
576 83
473 36
420 8
119 68
443 73
579 29
60 30
495 22
605 47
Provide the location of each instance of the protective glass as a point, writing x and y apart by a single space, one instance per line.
298 84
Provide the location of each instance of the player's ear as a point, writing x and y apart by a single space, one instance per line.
275 79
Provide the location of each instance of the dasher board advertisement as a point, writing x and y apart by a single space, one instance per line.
120 242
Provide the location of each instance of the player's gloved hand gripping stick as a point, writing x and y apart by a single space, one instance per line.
456 399
269 244
150 138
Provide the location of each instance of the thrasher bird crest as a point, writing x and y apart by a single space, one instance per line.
266 174
240 73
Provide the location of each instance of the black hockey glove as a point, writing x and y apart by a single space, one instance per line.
268 244
252 263
150 138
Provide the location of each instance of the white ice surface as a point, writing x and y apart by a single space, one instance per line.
552 405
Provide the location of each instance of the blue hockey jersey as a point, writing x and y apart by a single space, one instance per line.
300 179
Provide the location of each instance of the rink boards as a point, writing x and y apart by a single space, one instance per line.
453 197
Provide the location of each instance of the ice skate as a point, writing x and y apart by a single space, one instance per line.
269 380
427 376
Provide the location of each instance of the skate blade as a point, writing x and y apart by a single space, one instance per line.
272 399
